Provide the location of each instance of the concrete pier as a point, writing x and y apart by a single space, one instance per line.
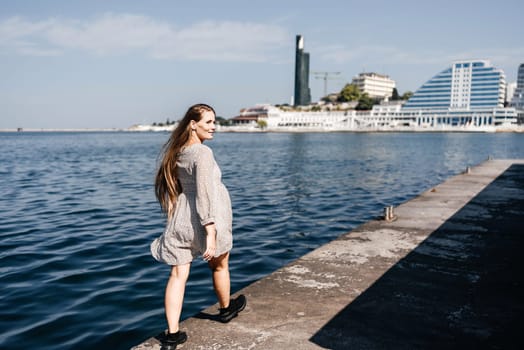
445 271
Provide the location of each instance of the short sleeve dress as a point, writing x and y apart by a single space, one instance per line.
204 200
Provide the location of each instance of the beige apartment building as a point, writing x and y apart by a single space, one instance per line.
375 85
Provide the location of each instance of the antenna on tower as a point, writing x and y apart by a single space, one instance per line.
325 76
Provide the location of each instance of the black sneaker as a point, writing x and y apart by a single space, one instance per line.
235 306
170 341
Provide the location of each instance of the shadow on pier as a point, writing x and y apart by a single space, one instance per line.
462 287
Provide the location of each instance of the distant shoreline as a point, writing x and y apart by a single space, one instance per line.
134 128
148 128
67 130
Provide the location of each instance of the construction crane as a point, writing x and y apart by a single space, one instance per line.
325 76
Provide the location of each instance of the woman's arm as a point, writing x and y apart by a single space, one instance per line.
205 199
211 242
205 186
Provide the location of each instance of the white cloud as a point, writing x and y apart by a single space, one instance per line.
30 49
111 34
21 36
223 41
15 28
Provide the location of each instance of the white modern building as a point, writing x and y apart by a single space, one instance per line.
466 85
375 85
510 91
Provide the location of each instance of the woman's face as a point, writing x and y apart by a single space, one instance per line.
205 127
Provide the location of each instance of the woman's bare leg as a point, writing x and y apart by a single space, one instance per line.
220 269
174 296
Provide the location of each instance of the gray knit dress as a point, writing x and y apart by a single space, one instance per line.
204 200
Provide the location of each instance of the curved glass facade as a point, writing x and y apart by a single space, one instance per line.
465 85
518 96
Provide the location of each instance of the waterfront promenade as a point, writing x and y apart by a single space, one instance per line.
447 272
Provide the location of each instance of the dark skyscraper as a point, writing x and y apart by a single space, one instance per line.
302 93
518 96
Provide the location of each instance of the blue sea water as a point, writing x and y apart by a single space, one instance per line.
78 212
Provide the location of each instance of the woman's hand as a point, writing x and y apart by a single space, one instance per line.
211 242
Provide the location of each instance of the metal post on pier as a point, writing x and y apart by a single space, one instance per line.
389 214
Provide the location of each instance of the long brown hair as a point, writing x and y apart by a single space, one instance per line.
167 186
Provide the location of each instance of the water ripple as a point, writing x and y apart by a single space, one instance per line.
77 215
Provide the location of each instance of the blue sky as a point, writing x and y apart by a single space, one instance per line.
112 64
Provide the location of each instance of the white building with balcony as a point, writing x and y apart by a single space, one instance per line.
375 85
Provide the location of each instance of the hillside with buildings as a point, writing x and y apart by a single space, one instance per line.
469 95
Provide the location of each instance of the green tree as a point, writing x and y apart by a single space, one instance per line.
350 92
365 103
222 121
262 124
406 95
395 96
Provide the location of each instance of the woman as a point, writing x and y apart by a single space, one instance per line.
190 191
